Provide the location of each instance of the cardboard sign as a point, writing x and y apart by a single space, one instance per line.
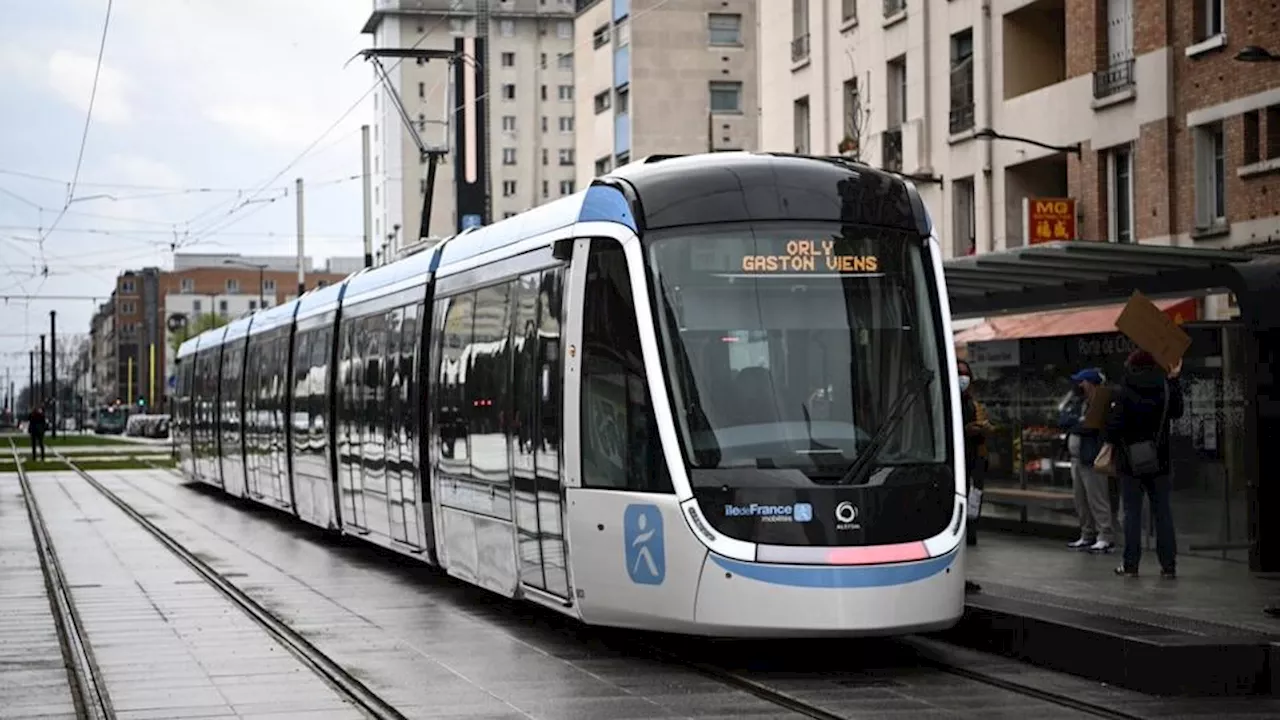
1095 418
1152 330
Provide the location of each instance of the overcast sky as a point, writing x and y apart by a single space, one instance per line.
196 99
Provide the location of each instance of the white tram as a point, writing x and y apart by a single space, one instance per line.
710 395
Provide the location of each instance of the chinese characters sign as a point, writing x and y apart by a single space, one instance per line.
1050 219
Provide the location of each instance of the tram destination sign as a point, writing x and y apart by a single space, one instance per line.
810 256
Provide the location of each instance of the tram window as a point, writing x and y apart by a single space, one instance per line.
549 390
487 384
620 448
451 416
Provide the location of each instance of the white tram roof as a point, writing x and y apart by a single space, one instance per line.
325 299
271 318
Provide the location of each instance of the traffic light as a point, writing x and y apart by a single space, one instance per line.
142 402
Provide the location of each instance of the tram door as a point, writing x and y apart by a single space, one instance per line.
351 419
535 431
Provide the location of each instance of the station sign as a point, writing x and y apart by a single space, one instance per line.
1049 219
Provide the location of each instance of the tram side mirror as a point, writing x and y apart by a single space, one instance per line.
562 249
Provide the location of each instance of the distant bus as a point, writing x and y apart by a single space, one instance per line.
112 420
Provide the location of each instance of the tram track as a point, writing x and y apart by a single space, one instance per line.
926 653
347 685
89 692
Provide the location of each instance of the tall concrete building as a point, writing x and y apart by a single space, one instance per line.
663 77
503 109
1137 112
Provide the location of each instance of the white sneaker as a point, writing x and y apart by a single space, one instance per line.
1079 544
1101 547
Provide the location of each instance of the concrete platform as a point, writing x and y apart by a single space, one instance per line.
1202 634
33 677
167 644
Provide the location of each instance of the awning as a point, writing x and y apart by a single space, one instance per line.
1060 275
1070 322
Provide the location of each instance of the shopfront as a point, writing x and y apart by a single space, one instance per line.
1022 367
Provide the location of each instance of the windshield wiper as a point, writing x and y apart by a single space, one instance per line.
862 464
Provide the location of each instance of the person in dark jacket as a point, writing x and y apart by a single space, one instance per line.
976 429
1142 409
1092 488
37 426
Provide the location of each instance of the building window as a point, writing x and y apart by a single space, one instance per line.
726 97
268 285
564 30
188 285
566 187
893 7
508 60
233 286
725 28
546 189
253 305
1120 194
507 28
962 81
222 307
891 141
127 286
848 10
565 61
508 123
1273 132
566 124
544 123
127 308
799 30
565 93
195 306
1251 140
600 36
1208 18
544 92
508 215
624 101
623 158
604 165
800 119
509 156
1210 154
965 234
508 91
566 156
508 188
602 101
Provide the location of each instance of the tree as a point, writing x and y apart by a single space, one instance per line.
857 117
201 323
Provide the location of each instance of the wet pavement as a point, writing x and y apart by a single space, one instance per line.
436 648
33 678
167 644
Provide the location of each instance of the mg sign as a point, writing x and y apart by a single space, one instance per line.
1048 219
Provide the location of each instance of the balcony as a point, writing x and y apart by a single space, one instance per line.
800 48
891 150
1116 78
893 7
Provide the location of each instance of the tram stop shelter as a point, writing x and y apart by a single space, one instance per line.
1076 274
1204 634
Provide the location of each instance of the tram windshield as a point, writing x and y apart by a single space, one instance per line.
789 350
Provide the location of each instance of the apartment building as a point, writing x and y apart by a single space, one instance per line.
137 318
501 112
658 77
1137 112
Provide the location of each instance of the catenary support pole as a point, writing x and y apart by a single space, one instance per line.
367 181
53 373
302 273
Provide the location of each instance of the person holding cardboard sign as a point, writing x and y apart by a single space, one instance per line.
1136 450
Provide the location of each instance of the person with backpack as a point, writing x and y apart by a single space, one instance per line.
37 426
1143 406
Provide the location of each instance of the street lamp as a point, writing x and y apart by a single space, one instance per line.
1254 53
261 282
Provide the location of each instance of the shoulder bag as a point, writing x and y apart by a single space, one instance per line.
1144 456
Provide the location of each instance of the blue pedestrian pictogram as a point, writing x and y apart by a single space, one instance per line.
645 549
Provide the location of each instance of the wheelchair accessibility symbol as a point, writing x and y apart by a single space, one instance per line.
645 550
